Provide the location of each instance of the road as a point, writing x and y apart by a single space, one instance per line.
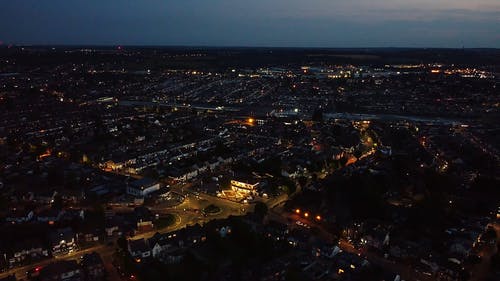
20 272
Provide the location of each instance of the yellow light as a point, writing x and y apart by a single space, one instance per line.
137 260
251 120
297 211
352 266
318 217
340 271
306 215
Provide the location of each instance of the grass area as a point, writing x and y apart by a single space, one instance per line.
165 221
211 209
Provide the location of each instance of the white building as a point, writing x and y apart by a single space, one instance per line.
142 187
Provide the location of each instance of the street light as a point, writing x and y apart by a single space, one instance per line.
318 217
306 215
297 211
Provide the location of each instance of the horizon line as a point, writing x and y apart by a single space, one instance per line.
6 45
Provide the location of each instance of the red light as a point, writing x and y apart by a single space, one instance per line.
38 269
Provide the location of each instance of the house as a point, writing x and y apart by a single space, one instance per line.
200 169
349 262
226 161
173 257
139 249
171 248
62 241
88 235
376 237
70 215
190 174
176 175
212 164
49 215
117 226
159 244
24 250
142 187
112 229
61 271
193 235
143 219
93 266
144 226
159 248
187 173
19 216
45 197
225 231
165 245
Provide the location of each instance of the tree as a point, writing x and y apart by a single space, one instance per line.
293 274
122 243
151 173
490 234
58 203
317 115
260 210
495 261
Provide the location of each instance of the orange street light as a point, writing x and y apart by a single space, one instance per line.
306 215
318 217
297 211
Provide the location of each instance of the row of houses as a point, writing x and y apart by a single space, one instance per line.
20 251
140 163
89 268
168 248
44 216
180 175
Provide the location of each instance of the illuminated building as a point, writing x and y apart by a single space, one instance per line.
243 187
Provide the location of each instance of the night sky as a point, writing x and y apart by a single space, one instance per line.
280 23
